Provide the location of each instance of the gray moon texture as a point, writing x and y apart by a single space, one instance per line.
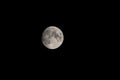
52 37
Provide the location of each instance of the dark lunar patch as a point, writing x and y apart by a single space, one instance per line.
46 40
56 35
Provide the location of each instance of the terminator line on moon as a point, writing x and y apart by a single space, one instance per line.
52 37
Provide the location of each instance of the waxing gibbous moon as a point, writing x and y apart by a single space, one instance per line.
52 37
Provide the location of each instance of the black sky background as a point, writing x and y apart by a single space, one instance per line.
66 24
83 46
37 30
83 51
77 26
80 25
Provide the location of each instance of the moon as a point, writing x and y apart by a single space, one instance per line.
52 37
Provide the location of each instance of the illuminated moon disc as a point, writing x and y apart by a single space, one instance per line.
52 37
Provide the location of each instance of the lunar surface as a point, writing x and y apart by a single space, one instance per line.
52 37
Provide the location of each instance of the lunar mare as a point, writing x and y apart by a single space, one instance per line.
52 37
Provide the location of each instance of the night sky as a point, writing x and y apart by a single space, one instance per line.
83 25
79 24
37 30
